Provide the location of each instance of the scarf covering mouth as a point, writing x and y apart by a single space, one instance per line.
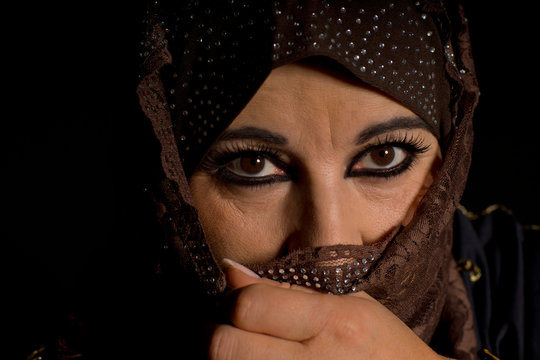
203 61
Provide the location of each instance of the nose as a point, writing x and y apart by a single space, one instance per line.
325 212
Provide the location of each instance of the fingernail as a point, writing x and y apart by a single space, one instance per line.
239 267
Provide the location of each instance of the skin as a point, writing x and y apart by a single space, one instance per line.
317 202
308 325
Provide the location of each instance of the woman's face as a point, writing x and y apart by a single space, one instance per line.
312 160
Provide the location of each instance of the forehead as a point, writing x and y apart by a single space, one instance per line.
298 96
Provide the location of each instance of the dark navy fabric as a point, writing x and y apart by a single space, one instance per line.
506 299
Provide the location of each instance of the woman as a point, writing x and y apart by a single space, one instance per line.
312 149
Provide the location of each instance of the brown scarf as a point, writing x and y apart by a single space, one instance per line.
204 61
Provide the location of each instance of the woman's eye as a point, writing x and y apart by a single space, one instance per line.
384 157
381 158
254 166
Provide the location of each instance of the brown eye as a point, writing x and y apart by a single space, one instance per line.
383 156
252 165
380 158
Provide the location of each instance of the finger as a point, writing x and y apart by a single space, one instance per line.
277 311
240 276
230 343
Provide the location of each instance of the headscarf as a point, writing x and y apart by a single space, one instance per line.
203 61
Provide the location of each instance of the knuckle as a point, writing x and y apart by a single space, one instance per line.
349 325
346 328
222 344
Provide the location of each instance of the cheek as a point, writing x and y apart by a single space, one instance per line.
380 211
251 225
394 203
244 225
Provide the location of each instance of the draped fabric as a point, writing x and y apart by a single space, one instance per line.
203 61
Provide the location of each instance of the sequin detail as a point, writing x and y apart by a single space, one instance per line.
224 51
369 44
335 270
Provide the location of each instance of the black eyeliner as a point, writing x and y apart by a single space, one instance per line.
218 157
386 173
228 176
216 161
412 146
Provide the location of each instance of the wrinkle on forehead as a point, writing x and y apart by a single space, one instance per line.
321 110
310 95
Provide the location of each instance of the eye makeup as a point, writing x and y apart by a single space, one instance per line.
249 162
226 160
406 146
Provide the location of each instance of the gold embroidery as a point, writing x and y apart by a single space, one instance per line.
491 208
36 354
469 214
475 273
489 355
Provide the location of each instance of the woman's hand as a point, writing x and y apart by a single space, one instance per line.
271 320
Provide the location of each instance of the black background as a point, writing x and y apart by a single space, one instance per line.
80 153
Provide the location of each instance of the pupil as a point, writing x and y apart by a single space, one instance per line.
252 165
383 156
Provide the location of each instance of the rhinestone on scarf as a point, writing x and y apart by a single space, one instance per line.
367 40
336 280
367 22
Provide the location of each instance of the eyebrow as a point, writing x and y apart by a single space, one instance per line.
249 132
396 123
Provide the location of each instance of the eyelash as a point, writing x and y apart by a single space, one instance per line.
216 160
412 146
